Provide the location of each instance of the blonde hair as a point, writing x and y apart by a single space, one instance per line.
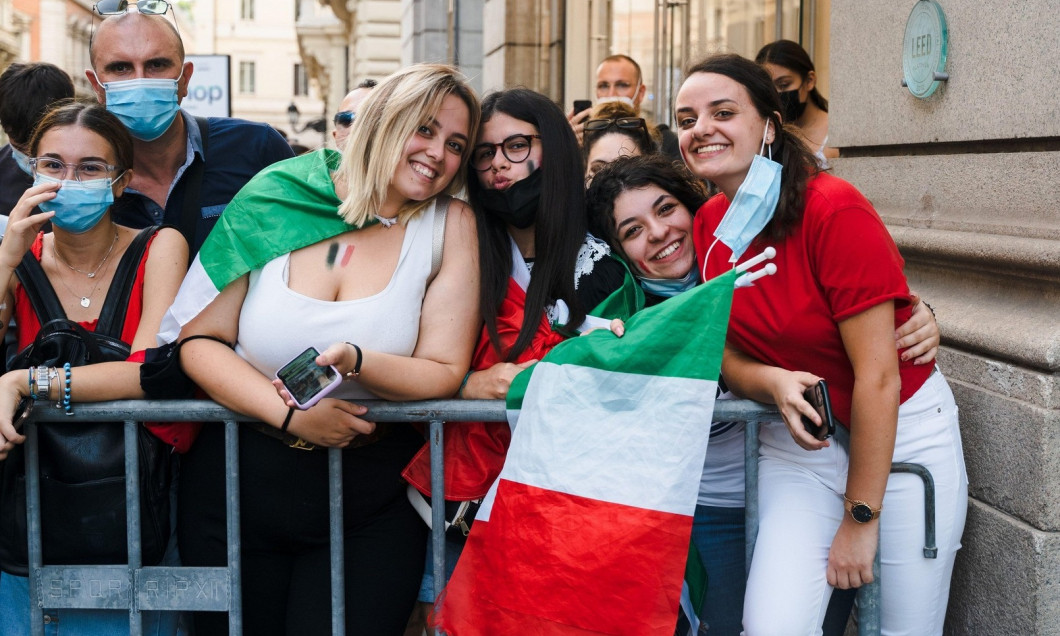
385 121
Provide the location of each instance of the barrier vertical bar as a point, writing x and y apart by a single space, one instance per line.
437 506
33 530
750 467
132 522
232 510
338 558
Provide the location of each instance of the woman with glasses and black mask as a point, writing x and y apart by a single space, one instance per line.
81 159
542 273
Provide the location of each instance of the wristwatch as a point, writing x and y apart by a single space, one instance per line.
860 511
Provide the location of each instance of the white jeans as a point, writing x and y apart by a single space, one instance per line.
801 506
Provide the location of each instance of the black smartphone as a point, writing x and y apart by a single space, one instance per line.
817 396
307 381
582 104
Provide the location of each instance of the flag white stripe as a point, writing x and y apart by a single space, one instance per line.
195 293
609 440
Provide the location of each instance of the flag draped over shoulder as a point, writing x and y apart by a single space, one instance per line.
285 207
587 529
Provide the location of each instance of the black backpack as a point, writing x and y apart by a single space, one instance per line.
82 464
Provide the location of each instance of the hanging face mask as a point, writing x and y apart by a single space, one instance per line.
753 206
517 204
792 108
147 107
670 287
628 101
78 205
22 160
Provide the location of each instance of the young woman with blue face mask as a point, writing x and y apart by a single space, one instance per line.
644 206
829 312
80 157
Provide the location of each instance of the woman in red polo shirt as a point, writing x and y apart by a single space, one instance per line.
830 312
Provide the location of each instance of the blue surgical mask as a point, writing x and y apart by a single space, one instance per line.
78 205
754 204
670 287
22 160
147 107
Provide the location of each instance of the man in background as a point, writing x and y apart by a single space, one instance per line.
26 92
348 111
186 169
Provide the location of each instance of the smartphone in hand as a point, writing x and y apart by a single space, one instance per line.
306 381
817 396
582 105
22 413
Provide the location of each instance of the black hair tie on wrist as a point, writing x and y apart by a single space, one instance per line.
287 420
357 365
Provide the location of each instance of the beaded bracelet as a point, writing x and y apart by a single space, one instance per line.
66 391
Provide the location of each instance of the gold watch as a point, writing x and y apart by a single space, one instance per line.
860 511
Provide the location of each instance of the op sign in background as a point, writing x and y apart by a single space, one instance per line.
209 91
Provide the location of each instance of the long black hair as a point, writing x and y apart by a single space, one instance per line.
787 150
632 173
793 57
559 226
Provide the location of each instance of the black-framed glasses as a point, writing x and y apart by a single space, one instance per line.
515 148
118 7
345 118
84 171
631 123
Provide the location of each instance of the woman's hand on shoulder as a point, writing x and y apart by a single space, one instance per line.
493 383
331 422
788 388
13 387
920 333
22 227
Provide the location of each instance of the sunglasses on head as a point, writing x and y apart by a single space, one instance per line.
118 7
619 122
344 118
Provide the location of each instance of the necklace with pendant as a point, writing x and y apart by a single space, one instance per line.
387 221
93 273
85 301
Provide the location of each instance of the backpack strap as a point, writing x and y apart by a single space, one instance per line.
39 289
112 316
438 238
191 210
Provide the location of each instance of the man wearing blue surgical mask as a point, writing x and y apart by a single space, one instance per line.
26 92
186 169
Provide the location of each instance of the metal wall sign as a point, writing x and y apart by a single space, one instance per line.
924 49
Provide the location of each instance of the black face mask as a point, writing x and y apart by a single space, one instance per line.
793 108
517 204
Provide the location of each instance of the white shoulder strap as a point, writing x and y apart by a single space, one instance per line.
438 241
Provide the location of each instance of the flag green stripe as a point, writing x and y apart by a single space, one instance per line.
287 206
624 301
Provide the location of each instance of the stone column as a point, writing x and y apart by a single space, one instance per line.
967 183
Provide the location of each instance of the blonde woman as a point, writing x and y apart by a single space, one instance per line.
352 276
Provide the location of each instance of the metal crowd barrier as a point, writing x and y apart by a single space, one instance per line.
136 588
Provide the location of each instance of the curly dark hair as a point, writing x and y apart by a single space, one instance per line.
631 173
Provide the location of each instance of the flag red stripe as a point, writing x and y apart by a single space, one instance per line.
567 565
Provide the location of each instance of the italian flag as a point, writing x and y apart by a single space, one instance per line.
285 207
587 529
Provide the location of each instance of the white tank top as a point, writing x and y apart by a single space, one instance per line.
276 323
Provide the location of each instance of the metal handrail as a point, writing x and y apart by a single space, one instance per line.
188 588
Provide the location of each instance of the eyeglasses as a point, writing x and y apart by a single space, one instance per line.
84 171
345 118
118 7
632 123
515 148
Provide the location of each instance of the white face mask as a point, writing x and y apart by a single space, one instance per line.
628 101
